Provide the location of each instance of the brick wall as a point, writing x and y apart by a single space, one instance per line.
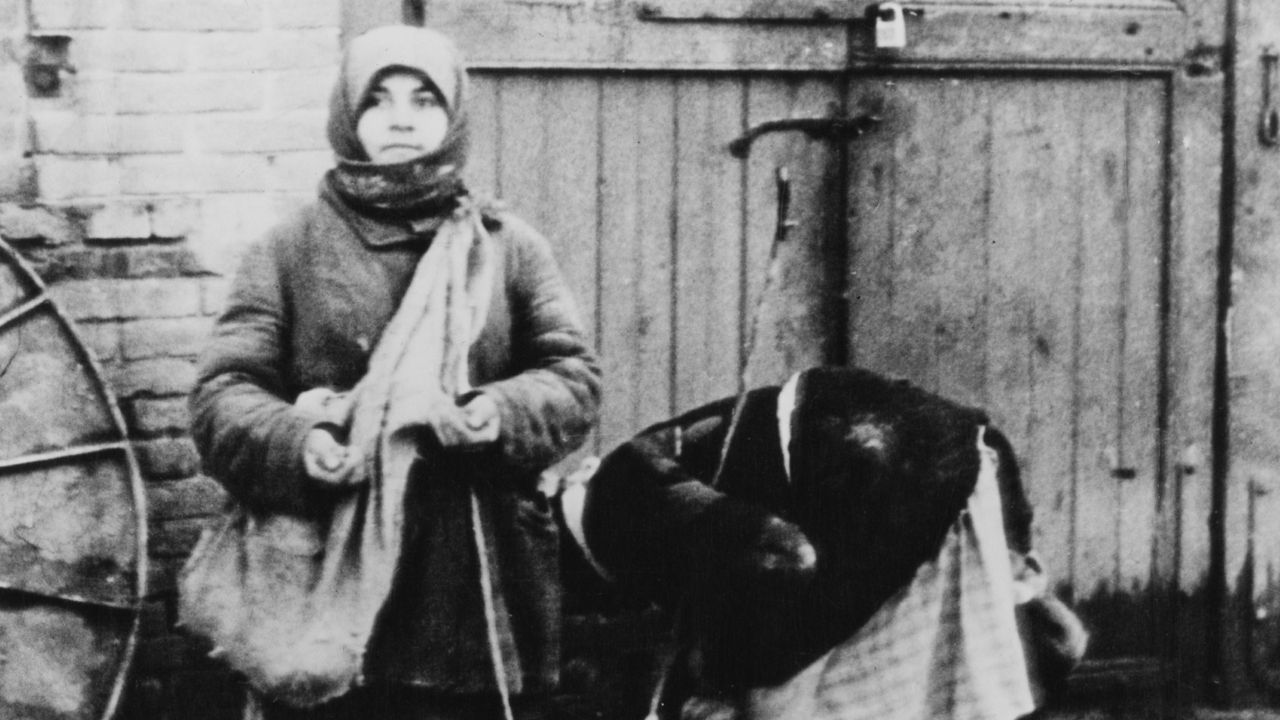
183 131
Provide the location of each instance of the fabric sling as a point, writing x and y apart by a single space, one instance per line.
290 602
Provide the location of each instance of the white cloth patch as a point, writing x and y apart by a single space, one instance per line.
787 408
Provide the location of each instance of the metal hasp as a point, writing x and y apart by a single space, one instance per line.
828 128
1269 122
72 516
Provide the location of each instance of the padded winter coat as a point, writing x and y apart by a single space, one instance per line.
305 311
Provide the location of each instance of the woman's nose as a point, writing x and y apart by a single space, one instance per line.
402 115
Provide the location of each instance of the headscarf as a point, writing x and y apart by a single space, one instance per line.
412 188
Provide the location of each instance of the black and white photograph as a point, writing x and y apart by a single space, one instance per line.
639 360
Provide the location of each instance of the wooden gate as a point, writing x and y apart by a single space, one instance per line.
1030 225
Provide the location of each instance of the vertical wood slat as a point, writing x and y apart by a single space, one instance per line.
1194 152
1032 221
1147 107
708 254
483 111
795 322
636 240
1100 241
960 133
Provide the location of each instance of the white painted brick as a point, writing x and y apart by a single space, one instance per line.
299 171
318 48
226 132
174 217
14 136
156 377
75 14
102 338
118 220
159 298
41 224
127 299
123 50
300 90
70 133
228 225
85 300
215 292
17 178
65 178
304 13
201 15
169 174
13 90
13 14
168 93
229 51
164 337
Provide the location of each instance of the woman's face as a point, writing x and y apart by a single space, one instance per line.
402 119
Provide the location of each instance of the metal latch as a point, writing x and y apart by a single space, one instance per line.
828 128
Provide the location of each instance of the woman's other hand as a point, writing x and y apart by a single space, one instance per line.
329 461
467 426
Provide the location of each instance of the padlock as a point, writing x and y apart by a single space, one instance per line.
891 26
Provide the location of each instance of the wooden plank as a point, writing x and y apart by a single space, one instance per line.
871 201
1032 278
567 196
1252 500
520 143
361 15
708 240
906 333
828 10
795 319
1194 203
483 112
502 33
959 138
938 234
1145 123
512 33
1102 204
546 169
1052 222
636 263
1187 522
1033 36
764 362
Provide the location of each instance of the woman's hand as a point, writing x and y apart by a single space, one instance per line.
329 461
471 425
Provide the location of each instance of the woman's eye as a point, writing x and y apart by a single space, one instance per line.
376 99
426 100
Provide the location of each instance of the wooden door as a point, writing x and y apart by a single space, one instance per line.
1032 226
1034 229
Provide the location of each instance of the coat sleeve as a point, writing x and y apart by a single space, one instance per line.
548 407
247 431
653 521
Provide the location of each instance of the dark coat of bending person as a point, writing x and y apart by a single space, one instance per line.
772 566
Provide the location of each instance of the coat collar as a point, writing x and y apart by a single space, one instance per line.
378 233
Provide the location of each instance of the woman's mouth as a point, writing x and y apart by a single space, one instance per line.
400 151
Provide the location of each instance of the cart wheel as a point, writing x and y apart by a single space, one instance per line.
72 520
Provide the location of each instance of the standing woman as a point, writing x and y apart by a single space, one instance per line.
489 383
